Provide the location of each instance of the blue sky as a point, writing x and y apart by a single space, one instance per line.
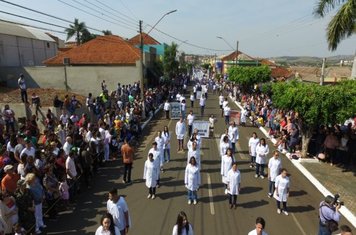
263 28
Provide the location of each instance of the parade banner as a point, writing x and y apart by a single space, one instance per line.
175 110
202 127
235 116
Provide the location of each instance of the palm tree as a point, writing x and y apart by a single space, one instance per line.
76 29
343 24
106 32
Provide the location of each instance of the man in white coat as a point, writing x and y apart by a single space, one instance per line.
281 193
233 185
252 144
180 132
194 152
190 120
156 158
260 226
261 158
160 144
166 108
274 168
150 174
233 135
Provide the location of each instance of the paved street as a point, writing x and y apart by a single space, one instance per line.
211 216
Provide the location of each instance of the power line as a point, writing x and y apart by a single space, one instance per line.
109 16
28 18
122 2
99 17
103 4
43 13
32 26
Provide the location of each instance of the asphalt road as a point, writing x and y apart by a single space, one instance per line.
212 215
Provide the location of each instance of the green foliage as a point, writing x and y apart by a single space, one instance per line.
106 32
266 88
170 64
248 76
86 36
76 30
316 104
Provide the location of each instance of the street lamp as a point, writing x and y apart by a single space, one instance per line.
237 47
141 59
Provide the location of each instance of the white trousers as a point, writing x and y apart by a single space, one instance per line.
39 216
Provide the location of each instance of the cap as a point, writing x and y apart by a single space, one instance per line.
8 167
27 140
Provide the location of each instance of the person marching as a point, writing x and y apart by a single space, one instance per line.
166 108
150 174
221 100
182 226
160 145
192 99
180 132
252 145
224 145
194 152
233 136
260 226
156 159
202 104
261 158
226 165
167 146
274 167
192 180
233 185
281 193
227 111
190 120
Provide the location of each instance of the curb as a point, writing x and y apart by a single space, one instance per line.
151 116
343 210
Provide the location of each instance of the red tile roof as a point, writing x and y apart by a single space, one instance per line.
103 50
280 73
232 56
147 40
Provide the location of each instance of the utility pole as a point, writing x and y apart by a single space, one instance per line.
237 52
322 72
141 72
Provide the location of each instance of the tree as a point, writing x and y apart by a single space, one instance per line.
315 105
86 36
170 64
76 30
343 24
248 76
106 32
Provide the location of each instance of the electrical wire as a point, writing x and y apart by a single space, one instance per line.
103 4
99 17
122 3
32 26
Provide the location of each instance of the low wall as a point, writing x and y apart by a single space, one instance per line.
80 79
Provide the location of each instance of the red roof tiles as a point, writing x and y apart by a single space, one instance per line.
147 40
280 73
103 50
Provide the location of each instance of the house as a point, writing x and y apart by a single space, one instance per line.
24 46
148 42
332 74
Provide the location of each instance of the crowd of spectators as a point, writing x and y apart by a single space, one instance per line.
43 170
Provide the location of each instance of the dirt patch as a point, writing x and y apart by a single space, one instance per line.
10 95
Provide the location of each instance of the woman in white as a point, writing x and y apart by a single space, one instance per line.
260 226
274 167
167 146
160 145
180 132
192 99
281 193
192 180
243 117
183 108
226 165
233 184
182 226
261 158
150 174
252 144
212 121
107 227
224 145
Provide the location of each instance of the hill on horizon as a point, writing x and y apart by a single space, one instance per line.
310 60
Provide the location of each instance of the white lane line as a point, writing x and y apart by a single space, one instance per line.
212 209
298 224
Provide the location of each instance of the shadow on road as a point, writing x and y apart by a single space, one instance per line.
253 204
300 209
297 193
217 198
247 190
170 195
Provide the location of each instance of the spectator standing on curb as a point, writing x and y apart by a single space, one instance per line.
260 226
150 175
36 101
117 207
274 168
9 118
166 108
281 193
261 158
127 153
23 88
182 226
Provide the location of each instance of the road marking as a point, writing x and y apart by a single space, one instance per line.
298 224
212 209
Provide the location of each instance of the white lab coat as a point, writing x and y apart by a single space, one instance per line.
166 139
233 181
160 145
282 185
156 156
180 130
243 116
274 166
184 232
196 154
254 232
252 144
226 164
150 173
167 106
192 177
261 154
233 134
223 147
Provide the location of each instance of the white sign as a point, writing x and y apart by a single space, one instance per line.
175 110
202 127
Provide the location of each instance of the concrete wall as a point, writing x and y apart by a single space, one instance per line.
80 79
20 51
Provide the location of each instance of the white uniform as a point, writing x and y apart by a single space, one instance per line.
261 154
223 147
160 145
226 164
221 100
192 177
166 106
252 144
243 116
196 154
227 111
180 130
233 134
184 232
233 180
274 166
225 103
190 119
254 232
282 185
166 140
156 156
150 173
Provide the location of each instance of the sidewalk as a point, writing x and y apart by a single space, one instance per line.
329 180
